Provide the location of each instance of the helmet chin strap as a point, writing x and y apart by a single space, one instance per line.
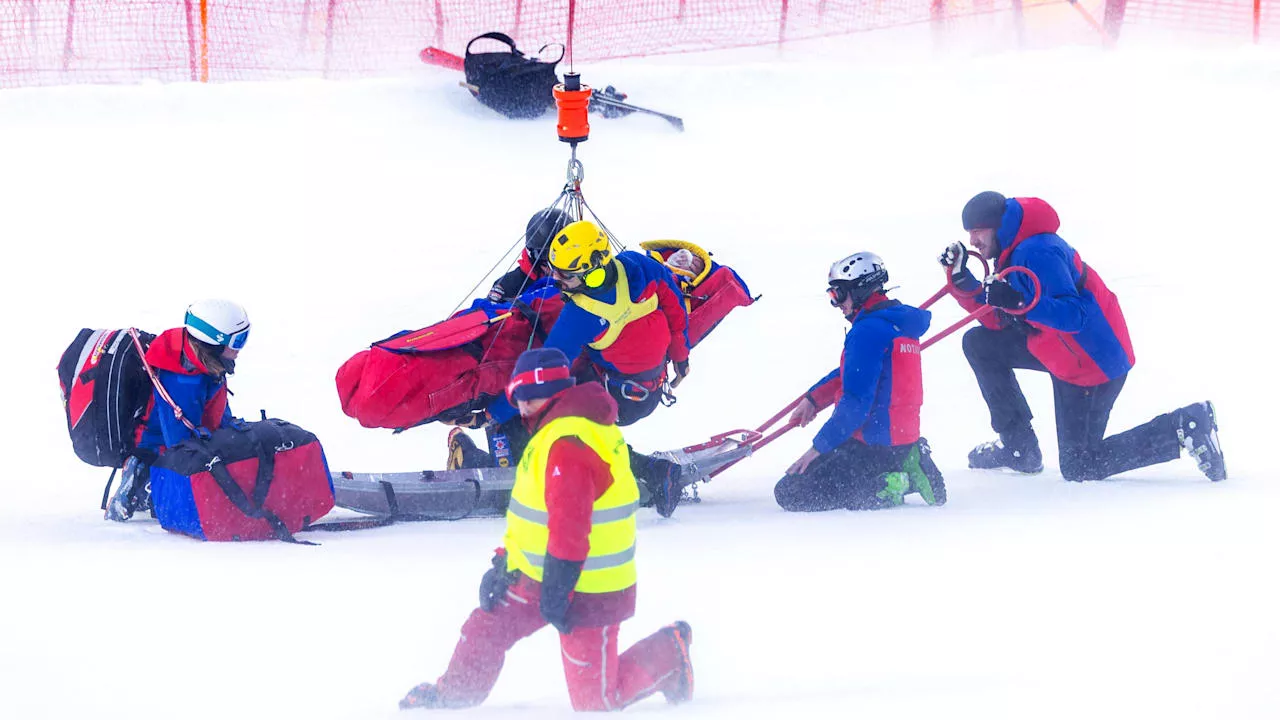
860 304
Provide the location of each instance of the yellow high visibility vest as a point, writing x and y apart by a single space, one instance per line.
620 313
610 564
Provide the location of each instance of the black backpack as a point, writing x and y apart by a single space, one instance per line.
105 391
509 82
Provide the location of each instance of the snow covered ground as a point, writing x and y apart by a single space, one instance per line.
341 212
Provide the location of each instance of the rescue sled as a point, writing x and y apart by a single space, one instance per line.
484 492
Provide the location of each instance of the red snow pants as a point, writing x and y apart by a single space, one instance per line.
598 678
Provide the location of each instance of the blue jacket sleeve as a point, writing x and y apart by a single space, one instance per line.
189 392
1061 307
967 281
864 351
573 330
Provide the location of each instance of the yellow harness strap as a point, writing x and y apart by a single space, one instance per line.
620 313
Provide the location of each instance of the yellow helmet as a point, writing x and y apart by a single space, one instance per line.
580 247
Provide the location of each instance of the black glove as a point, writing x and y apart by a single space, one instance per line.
1003 295
954 258
494 584
509 286
558 580
682 369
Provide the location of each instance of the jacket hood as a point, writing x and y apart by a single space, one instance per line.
169 352
910 320
1024 217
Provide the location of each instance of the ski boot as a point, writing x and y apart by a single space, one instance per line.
423 696
925 477
659 480
664 485
463 452
1017 450
682 684
896 485
1198 435
134 493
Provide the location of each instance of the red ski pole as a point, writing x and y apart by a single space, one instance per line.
987 309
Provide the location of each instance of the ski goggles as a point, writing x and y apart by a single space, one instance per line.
838 294
235 341
591 277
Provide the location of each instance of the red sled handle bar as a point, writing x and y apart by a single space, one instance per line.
747 438
759 442
988 309
950 287
755 438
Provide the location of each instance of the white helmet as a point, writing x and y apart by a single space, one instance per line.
218 322
859 275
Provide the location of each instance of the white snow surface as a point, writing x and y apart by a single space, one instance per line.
340 212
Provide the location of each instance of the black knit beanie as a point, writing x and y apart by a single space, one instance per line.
985 210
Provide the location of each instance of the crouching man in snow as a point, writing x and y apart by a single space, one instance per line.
1078 335
568 558
869 454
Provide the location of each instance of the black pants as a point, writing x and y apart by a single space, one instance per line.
1084 453
847 477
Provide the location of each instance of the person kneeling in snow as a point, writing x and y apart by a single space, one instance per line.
1077 334
869 454
568 558
191 363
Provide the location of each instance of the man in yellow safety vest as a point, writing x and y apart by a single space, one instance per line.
568 558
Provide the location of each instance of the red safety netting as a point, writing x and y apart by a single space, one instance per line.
76 41
1233 18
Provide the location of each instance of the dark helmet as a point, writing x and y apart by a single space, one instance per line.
542 227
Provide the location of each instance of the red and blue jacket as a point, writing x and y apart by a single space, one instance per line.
645 343
201 396
877 390
1078 330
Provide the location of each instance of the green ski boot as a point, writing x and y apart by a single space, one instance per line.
896 485
926 479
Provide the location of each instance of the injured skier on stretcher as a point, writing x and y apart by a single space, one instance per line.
450 372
